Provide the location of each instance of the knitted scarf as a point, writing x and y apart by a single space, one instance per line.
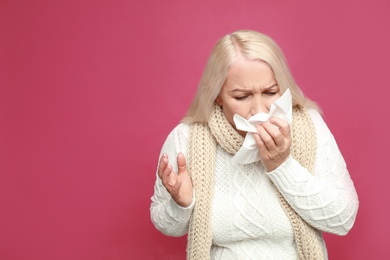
203 141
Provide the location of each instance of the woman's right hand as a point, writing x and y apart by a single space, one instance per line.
178 185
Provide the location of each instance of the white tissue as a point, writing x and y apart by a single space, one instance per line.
249 153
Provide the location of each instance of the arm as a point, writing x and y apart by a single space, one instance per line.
327 199
167 215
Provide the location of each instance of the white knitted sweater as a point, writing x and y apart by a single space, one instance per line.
247 219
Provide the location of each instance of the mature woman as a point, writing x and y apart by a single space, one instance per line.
274 206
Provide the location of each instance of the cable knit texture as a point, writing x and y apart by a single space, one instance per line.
202 167
246 219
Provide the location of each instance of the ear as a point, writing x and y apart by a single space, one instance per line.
218 100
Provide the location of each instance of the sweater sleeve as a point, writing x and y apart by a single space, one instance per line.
326 199
167 216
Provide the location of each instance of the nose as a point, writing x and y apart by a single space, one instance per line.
258 106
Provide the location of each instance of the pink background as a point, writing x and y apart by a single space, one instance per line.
90 89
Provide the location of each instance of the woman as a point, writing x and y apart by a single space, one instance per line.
273 207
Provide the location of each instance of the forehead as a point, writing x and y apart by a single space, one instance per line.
246 73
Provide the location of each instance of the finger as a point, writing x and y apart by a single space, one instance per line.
172 178
162 165
168 177
260 143
283 125
181 163
264 153
266 138
274 132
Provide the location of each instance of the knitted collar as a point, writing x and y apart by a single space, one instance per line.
203 141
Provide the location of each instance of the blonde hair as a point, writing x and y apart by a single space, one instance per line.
252 45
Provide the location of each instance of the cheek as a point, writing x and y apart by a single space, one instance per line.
229 113
244 109
233 109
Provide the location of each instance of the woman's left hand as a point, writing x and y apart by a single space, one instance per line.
274 141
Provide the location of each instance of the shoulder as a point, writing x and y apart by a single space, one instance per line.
322 130
180 131
176 141
317 119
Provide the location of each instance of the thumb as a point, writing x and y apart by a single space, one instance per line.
181 163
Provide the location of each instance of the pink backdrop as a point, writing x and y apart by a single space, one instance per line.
90 89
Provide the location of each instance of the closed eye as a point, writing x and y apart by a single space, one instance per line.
271 93
241 98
